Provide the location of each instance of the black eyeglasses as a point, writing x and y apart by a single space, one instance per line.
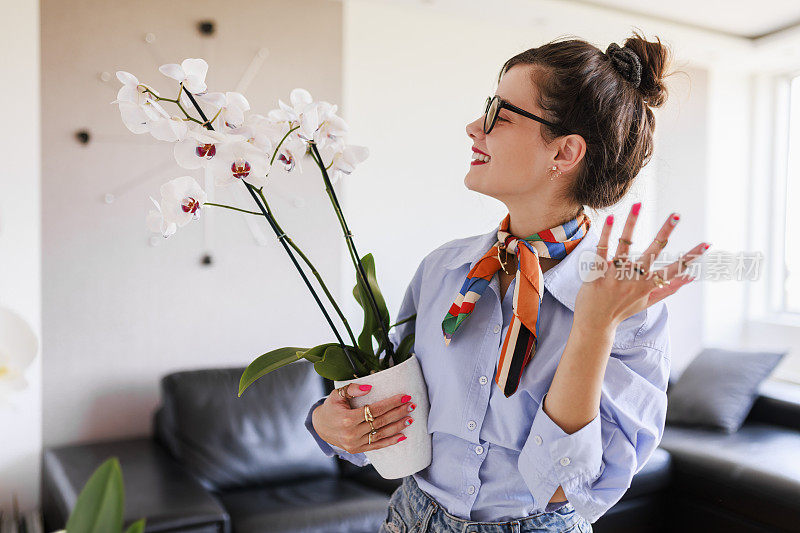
493 106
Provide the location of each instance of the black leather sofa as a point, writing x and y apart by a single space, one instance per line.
220 463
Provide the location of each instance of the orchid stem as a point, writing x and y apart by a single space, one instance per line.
282 237
234 208
352 247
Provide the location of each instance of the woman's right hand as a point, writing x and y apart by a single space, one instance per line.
343 426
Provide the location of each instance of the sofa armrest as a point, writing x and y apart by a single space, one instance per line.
778 403
156 486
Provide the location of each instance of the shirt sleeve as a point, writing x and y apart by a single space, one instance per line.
358 459
595 464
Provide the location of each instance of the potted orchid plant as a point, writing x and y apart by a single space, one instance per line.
240 149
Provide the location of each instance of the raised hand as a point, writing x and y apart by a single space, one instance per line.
627 286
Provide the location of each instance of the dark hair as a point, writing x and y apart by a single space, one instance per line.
581 90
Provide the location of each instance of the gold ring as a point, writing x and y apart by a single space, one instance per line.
620 263
370 425
371 433
367 414
661 244
659 281
343 392
602 247
626 241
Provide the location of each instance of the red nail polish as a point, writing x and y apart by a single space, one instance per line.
405 398
705 246
402 437
610 219
676 216
365 387
636 207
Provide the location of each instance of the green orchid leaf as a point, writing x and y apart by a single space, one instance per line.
334 364
268 362
101 502
404 349
372 327
136 527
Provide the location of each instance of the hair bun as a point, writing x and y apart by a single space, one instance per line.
626 62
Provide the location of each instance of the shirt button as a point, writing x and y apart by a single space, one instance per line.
537 439
483 380
564 461
471 424
471 489
479 450
497 328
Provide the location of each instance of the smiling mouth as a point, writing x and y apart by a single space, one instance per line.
479 159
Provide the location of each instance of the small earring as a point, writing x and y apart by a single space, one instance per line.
554 169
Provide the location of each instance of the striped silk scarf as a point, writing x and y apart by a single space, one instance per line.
520 341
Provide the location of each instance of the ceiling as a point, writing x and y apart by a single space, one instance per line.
735 18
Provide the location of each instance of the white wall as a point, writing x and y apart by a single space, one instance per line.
119 313
20 240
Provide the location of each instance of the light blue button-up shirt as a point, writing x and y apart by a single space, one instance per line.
498 458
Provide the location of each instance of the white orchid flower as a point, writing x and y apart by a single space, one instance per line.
156 222
239 160
139 109
181 200
332 128
191 72
199 146
291 152
345 161
231 106
170 129
18 348
300 100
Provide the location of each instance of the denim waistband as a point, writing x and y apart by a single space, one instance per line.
428 509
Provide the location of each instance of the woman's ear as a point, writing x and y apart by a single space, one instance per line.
572 148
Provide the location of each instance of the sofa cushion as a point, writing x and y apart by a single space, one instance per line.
718 387
156 487
324 505
753 472
229 441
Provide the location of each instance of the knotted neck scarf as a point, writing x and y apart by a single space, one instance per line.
520 342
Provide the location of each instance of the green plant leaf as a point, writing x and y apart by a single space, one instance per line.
371 324
334 364
315 354
404 349
101 502
266 363
136 527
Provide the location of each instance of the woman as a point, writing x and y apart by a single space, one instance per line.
546 402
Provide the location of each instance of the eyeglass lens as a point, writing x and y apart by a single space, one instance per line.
492 105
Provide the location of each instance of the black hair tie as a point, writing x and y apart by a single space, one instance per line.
626 62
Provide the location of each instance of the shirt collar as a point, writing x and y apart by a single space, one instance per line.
563 281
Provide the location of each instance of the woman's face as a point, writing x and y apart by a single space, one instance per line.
519 158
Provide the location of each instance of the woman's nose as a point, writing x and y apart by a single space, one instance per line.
475 128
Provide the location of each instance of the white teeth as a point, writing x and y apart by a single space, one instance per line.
480 157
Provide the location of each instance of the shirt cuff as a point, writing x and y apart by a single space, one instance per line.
358 459
552 457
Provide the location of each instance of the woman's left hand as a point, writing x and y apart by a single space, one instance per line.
621 291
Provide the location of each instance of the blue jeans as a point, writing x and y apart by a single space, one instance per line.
412 510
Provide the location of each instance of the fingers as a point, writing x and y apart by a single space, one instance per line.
605 234
675 269
654 250
389 433
390 416
353 389
627 232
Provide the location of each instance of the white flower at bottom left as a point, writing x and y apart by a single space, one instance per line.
181 201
